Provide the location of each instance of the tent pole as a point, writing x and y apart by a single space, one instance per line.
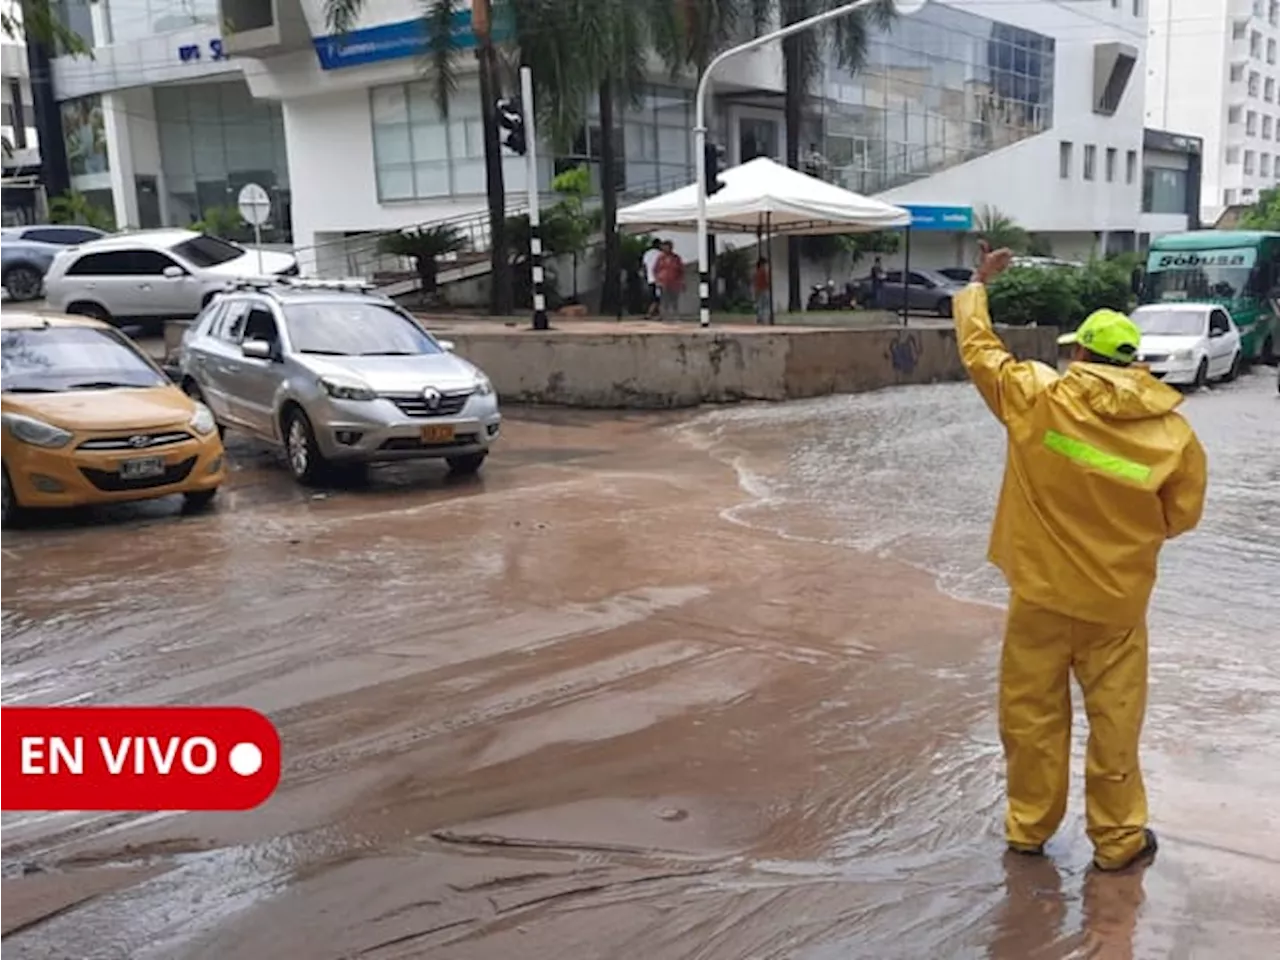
768 231
906 273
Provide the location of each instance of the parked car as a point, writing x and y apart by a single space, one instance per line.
27 252
89 419
1189 343
152 275
958 274
335 374
927 290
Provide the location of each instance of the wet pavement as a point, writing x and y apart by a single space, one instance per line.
718 686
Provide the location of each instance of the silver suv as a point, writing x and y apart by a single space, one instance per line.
335 374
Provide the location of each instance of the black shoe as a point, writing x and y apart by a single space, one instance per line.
1026 850
1142 858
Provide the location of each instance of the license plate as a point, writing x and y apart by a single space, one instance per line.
142 468
437 433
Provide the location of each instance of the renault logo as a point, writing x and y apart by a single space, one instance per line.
139 441
432 397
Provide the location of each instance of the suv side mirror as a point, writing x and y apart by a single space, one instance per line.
173 273
256 349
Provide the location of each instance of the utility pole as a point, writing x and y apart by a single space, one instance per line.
54 173
499 271
530 133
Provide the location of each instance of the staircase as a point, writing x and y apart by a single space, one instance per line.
359 256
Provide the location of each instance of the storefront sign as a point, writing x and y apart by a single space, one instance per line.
395 41
923 217
193 53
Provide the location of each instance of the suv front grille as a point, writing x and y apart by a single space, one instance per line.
450 405
112 482
136 441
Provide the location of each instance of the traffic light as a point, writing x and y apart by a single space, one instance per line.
511 120
713 154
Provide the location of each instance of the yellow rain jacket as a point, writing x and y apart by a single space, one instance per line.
1100 472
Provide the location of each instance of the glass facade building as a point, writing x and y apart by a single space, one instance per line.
939 88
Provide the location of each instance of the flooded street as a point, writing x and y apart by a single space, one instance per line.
717 686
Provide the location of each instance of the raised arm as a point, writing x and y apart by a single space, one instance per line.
1006 384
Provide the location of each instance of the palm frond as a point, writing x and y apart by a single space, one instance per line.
341 15
442 50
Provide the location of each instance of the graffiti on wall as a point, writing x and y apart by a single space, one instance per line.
904 352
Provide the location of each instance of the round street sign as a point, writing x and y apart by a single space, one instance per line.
255 204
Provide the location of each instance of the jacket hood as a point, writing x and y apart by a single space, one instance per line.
1121 393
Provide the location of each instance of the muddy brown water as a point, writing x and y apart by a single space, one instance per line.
718 686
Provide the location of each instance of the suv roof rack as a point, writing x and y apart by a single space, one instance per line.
264 284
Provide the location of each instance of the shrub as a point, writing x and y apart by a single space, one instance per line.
1104 283
1040 295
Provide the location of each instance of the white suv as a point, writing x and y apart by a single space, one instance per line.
152 275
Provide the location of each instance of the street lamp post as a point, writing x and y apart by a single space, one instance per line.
901 7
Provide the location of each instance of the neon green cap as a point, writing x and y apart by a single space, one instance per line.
1108 333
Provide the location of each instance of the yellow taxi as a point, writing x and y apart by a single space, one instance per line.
89 419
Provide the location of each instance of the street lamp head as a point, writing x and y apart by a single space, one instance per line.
904 8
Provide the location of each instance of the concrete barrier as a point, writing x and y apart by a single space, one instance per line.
650 366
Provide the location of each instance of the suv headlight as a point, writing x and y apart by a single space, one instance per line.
483 387
202 421
36 432
343 389
1182 355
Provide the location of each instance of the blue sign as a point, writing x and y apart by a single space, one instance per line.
395 41
959 219
190 53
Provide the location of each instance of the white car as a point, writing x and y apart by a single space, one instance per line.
152 275
1188 343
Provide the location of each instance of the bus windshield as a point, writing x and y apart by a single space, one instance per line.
1198 274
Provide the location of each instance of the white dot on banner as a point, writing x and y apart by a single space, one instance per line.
245 759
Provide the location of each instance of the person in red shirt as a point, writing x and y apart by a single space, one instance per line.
670 273
760 290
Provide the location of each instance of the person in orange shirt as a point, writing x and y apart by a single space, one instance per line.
670 273
760 289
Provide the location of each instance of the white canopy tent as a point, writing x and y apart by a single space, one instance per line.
767 199
764 196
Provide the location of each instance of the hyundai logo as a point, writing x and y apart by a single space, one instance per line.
139 441
432 397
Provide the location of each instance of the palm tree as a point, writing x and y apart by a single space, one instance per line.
847 38
1000 230
442 52
425 246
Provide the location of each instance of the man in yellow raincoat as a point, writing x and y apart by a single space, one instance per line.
1100 472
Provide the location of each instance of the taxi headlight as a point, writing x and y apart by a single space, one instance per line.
36 432
1182 355
202 421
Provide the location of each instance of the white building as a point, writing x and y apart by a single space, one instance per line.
1032 108
1213 74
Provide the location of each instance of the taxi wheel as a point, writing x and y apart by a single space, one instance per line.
1234 372
1202 375
306 463
12 509
198 500
466 464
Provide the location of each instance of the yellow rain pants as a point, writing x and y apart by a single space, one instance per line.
1100 472
1042 649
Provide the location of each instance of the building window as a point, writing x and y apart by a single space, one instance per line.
1064 159
1111 164
1234 114
1130 166
1273 12
1248 161
1266 128
1237 72
1090 161
1228 197
1255 83
1246 193
1251 124
417 152
1269 90
1264 164
1164 190
1233 155
1239 29
139 19
1271 51
1255 45
1137 8
214 139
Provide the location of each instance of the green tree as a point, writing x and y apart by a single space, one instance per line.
424 246
1265 213
569 223
74 207
39 18
847 38
224 221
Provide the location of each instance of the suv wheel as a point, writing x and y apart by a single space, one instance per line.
22 282
306 463
467 464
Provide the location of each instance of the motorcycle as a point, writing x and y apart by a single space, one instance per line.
824 296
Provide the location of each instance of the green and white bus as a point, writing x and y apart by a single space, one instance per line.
1238 269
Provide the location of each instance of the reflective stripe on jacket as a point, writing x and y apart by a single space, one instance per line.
1100 472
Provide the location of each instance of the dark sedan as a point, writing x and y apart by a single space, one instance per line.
928 291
